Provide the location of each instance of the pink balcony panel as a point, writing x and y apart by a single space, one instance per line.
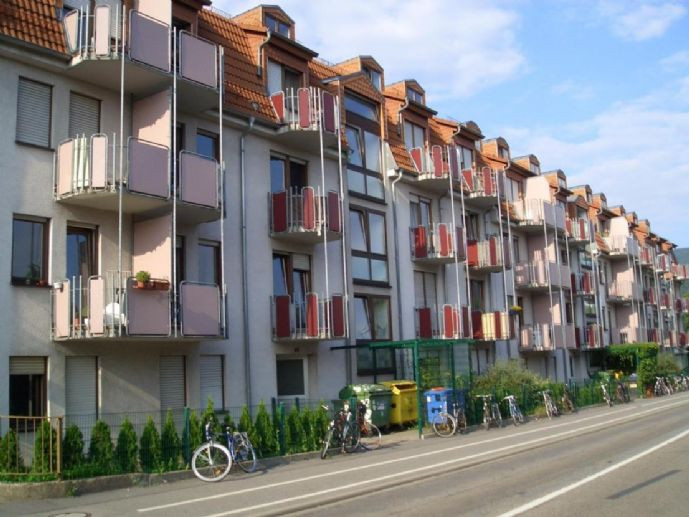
279 212
278 100
417 157
148 168
445 240
200 309
283 327
148 312
425 325
488 187
309 208
96 291
101 30
334 223
328 112
198 180
197 60
149 41
311 315
338 316
61 310
70 23
304 108
469 178
99 161
437 157
65 166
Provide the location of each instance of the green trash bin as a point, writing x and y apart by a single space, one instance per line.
376 397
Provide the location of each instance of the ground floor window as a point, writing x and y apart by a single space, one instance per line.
291 376
212 380
173 393
27 386
372 323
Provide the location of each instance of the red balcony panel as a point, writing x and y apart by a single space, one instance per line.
577 338
420 249
568 226
425 326
472 253
312 315
454 163
498 324
339 328
417 157
488 187
282 318
493 250
304 108
278 100
477 324
280 212
445 239
309 207
682 339
334 223
437 157
582 229
586 280
465 321
328 112
469 178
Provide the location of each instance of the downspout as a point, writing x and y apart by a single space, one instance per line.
259 69
510 247
563 318
245 266
397 251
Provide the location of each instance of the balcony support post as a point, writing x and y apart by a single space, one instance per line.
343 244
559 276
324 221
119 285
454 233
175 291
466 261
547 271
223 213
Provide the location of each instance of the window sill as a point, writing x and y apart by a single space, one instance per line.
366 197
44 285
35 146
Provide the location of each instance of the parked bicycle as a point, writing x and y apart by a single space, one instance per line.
491 412
366 432
661 388
567 403
446 424
515 413
340 432
622 393
550 407
212 460
606 395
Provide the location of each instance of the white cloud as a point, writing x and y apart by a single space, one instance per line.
569 88
640 20
453 48
677 61
636 152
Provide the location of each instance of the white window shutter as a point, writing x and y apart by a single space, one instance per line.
27 365
81 382
211 369
84 115
172 382
34 101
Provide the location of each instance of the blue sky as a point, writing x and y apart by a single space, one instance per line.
598 88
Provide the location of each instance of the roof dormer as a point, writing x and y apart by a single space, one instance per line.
496 148
366 65
529 162
270 17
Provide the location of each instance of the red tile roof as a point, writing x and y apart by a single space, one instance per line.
33 21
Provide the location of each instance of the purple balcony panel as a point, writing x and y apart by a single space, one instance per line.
197 60
148 168
148 311
61 305
200 310
70 22
101 30
283 327
149 41
304 100
338 309
99 161
328 112
96 299
65 166
198 180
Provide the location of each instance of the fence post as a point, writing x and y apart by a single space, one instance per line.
297 403
281 429
58 448
186 437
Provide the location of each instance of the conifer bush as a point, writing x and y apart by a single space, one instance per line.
10 456
127 448
171 446
294 432
265 439
73 448
100 449
149 447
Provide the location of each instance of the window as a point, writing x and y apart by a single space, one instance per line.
535 168
81 252
281 78
568 313
287 174
211 370
424 289
466 157
84 115
81 385
514 189
34 113
476 288
207 144
589 309
420 212
27 386
376 78
173 393
363 166
29 251
414 136
472 227
504 153
368 243
515 250
372 323
291 376
292 276
209 262
361 107
415 96
275 25
180 258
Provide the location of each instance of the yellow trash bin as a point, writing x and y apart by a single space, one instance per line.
404 407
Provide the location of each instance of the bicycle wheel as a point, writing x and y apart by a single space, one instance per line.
549 409
461 424
350 440
497 417
369 436
444 425
514 413
486 418
326 442
245 457
211 462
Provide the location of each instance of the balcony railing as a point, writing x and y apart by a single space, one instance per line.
627 335
653 335
582 284
621 246
442 322
546 337
590 336
487 255
306 109
313 318
437 243
680 271
432 165
541 274
662 263
650 296
624 291
664 301
578 230
492 326
303 214
647 256
484 183
199 180
536 213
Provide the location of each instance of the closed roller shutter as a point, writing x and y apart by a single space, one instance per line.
84 115
172 379
34 101
211 369
27 365
81 385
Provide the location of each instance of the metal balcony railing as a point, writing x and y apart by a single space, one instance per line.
622 245
578 230
663 263
542 274
306 109
199 180
583 284
624 291
437 243
488 254
305 213
313 318
537 213
484 183
442 322
590 336
680 271
647 256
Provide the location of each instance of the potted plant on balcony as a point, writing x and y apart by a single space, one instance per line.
515 309
142 279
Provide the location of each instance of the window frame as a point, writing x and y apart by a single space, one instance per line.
212 136
48 147
216 258
363 125
43 395
361 343
414 95
413 127
45 252
92 234
368 255
267 18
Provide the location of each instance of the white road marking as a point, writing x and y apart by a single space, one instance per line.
369 482
552 495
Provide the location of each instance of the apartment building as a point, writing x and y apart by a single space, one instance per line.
288 211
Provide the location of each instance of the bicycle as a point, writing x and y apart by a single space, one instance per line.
446 424
515 413
606 395
491 412
567 404
212 461
622 393
369 436
550 407
660 387
339 432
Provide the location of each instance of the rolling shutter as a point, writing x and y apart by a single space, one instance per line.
27 365
81 385
34 102
84 115
211 369
172 382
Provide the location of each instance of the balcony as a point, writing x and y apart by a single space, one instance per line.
442 323
589 336
94 38
116 306
198 189
682 339
437 244
624 292
544 337
670 339
663 263
492 326
484 186
664 301
312 319
622 247
432 167
308 116
620 336
536 215
541 275
680 271
487 256
650 296
653 335
578 231
303 215
647 257
582 284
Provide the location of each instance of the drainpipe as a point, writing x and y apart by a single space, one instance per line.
245 267
397 252
259 68
563 318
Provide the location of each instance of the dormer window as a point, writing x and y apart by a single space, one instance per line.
562 182
536 169
504 153
415 96
588 197
414 136
275 25
361 107
376 78
281 78
466 158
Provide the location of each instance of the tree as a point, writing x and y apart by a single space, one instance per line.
149 447
127 448
73 448
171 447
100 448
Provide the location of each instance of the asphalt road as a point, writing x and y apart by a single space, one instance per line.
627 460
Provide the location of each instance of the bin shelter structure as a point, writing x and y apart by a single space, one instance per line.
420 348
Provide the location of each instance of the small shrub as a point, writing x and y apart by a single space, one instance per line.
149 447
264 439
245 423
127 448
294 432
210 416
100 448
195 431
171 447
321 422
646 373
666 365
73 448
279 428
10 457
45 449
307 424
